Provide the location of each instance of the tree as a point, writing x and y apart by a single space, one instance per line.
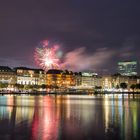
43 86
117 74
36 87
123 85
98 87
133 86
19 86
138 86
3 85
117 86
28 87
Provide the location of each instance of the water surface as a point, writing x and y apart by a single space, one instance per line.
68 117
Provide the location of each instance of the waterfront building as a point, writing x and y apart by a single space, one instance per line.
59 78
133 80
7 75
138 79
107 82
41 74
87 79
68 78
78 78
54 78
28 76
97 81
111 82
127 68
117 79
90 79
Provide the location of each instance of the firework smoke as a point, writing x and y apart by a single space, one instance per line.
79 60
49 56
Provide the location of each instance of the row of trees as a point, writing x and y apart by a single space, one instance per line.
135 87
21 87
29 87
123 86
3 85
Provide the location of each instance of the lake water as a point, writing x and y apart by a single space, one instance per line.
70 117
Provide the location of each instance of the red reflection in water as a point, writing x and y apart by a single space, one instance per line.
45 122
49 120
35 122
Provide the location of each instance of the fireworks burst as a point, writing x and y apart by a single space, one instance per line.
47 55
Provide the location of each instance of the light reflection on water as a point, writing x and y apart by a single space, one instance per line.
70 117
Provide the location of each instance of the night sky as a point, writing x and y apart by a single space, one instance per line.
103 31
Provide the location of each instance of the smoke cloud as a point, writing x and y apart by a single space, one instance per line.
80 60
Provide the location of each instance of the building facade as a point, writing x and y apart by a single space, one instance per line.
107 82
127 68
59 78
7 75
78 78
90 79
27 76
114 81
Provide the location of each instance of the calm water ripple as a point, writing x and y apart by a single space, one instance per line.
70 117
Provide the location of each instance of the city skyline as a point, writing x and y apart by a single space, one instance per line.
101 31
124 68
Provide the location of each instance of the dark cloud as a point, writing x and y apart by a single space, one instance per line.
14 62
94 24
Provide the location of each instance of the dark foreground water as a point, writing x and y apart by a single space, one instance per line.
70 117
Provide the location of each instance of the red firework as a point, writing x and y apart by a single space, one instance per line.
46 56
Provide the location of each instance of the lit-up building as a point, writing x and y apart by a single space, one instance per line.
60 79
114 81
41 74
87 79
129 80
133 80
107 82
7 75
128 68
97 80
90 79
78 78
118 79
27 76
138 79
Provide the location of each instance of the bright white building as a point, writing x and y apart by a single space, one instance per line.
27 76
90 79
